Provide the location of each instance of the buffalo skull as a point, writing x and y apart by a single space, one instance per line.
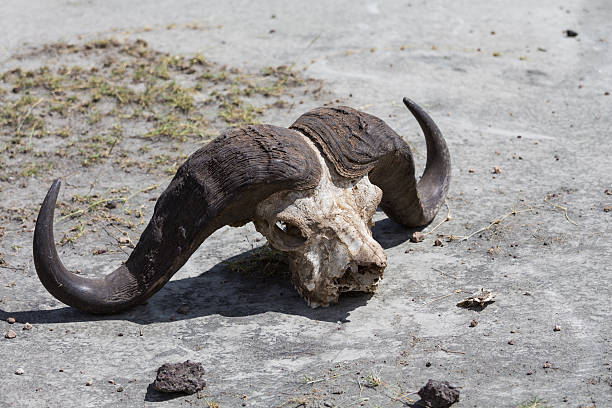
311 190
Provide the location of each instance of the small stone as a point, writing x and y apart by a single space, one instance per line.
124 240
437 242
608 208
110 205
529 372
511 342
557 328
474 323
439 394
27 326
10 334
570 33
428 364
120 389
471 170
183 377
497 170
11 320
417 237
111 382
19 371
547 365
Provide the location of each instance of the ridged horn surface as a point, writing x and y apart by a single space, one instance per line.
218 185
357 143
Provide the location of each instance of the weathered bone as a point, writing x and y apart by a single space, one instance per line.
326 234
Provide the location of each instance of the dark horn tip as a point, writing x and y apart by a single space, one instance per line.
410 104
54 189
48 205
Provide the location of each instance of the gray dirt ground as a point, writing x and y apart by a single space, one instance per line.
508 89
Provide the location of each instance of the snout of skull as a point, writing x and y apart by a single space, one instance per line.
326 234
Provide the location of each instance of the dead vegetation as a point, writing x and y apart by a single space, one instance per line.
85 112
111 107
262 261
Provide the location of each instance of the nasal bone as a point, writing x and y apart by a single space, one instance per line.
371 254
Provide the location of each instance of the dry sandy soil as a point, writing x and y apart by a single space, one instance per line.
112 96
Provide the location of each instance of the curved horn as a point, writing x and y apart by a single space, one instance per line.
358 143
217 185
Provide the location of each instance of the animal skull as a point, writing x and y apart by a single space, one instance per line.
326 235
311 190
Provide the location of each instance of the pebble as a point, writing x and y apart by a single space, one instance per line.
437 242
557 328
474 323
10 334
89 383
511 342
27 326
120 389
19 371
417 237
11 320
570 33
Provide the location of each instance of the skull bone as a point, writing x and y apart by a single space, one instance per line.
326 234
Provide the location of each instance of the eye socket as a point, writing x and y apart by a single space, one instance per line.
291 233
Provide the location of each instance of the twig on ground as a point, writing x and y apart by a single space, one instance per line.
448 218
116 239
443 297
561 208
443 273
452 351
14 268
514 211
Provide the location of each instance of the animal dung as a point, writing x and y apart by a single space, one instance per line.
438 394
183 377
